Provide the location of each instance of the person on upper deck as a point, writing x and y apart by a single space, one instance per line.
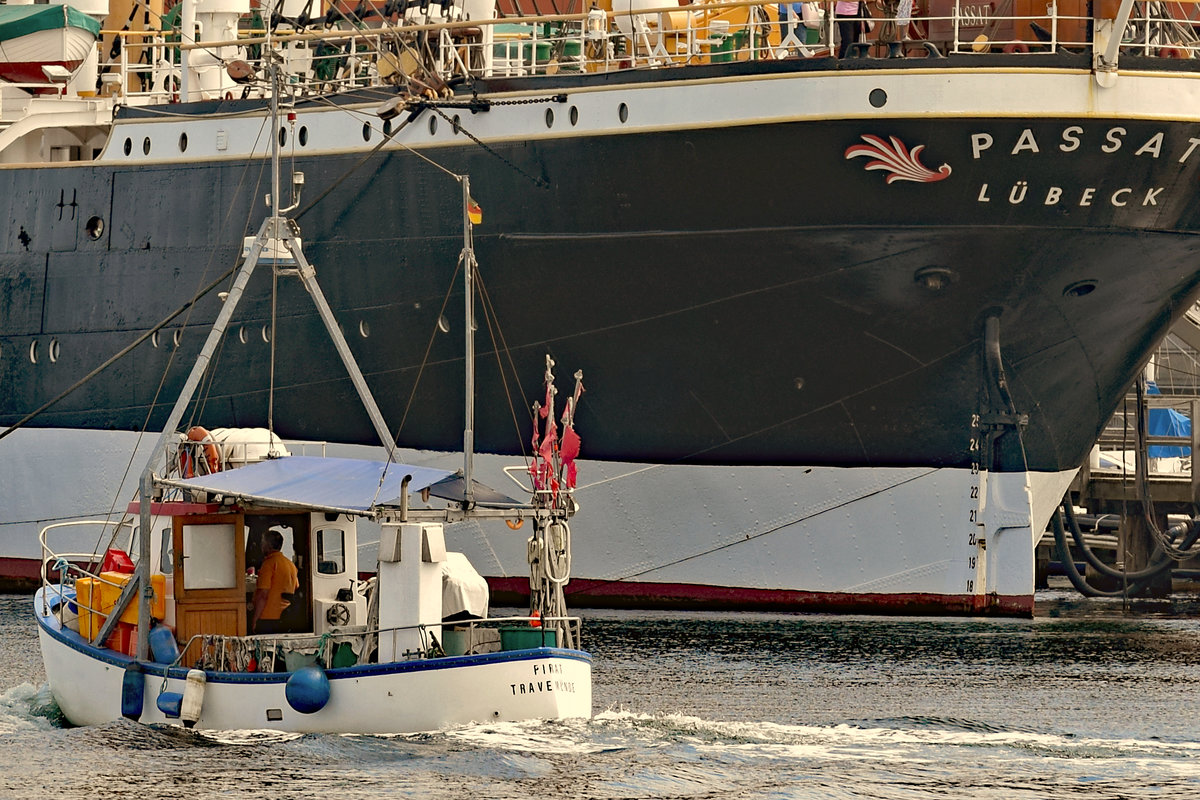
277 581
850 15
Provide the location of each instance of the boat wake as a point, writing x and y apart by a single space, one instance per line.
618 753
28 708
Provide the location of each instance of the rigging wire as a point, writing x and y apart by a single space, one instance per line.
753 536
496 332
118 355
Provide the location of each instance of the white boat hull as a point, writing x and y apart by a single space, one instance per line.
866 540
21 59
896 540
405 697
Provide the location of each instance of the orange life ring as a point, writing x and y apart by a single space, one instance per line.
535 620
514 524
198 434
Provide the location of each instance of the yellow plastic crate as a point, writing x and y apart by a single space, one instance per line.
97 597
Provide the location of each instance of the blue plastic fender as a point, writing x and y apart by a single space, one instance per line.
307 690
133 692
170 703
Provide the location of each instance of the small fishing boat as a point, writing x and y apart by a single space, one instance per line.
410 649
34 37
167 622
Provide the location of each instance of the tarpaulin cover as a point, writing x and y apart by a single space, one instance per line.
348 485
1168 422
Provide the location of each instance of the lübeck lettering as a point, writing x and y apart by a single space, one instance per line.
1055 195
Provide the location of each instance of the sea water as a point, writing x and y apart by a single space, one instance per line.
1090 699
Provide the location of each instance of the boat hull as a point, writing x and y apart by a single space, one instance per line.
24 57
803 308
406 697
770 538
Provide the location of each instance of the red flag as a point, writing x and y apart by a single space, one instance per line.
569 450
570 444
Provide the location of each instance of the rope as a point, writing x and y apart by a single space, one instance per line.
541 183
495 332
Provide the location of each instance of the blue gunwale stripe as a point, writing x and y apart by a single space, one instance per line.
73 640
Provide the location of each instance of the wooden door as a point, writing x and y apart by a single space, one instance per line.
210 578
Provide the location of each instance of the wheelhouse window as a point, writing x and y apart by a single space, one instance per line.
331 551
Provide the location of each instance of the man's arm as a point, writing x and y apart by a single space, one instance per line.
260 602
266 575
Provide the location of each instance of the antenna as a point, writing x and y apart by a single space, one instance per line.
468 259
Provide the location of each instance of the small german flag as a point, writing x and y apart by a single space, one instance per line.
474 212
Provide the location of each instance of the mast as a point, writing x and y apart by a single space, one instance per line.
468 258
275 232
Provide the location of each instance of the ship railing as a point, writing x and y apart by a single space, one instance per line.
147 67
60 570
664 35
190 457
360 645
428 50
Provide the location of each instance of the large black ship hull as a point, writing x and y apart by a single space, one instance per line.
739 292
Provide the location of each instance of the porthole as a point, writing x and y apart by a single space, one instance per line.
282 136
128 146
94 228
623 112
366 131
364 328
1080 288
443 324
456 124
177 336
433 126
549 117
877 98
303 135
33 352
53 351
146 146
574 115
183 142
266 334
242 334
387 127
154 339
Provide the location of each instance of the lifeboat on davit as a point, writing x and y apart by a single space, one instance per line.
38 41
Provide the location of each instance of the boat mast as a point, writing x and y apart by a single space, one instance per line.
275 234
468 259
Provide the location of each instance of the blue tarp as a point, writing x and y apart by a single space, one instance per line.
1168 422
346 485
